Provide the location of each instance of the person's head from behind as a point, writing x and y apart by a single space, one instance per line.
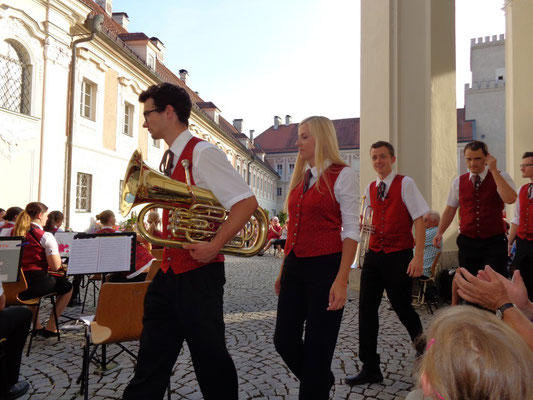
2 214
54 221
471 354
12 213
382 158
153 220
475 153
431 219
34 212
106 218
165 106
526 166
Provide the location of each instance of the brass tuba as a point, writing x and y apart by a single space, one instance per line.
366 229
195 215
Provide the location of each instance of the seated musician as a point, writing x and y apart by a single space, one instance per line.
54 222
40 254
143 258
10 218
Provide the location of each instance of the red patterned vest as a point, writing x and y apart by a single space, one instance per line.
180 260
391 219
142 256
525 227
481 211
315 218
33 253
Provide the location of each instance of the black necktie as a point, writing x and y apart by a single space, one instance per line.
381 190
307 179
166 163
477 181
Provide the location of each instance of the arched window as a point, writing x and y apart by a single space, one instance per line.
15 77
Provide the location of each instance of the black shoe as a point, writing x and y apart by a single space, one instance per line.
74 302
17 390
48 334
364 376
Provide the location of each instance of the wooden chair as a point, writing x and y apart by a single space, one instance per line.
156 264
118 319
157 253
426 282
12 292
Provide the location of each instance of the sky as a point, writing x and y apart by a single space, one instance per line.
256 59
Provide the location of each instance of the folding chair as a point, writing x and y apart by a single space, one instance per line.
12 292
118 319
425 283
156 264
91 280
157 253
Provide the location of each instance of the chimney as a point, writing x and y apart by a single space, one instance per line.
107 5
160 48
237 123
252 135
277 122
183 75
288 120
122 19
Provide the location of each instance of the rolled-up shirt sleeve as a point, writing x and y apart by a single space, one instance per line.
413 199
453 194
345 190
213 171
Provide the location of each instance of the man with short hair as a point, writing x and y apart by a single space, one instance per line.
480 195
185 299
522 225
389 264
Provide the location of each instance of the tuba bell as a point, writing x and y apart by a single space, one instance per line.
366 229
195 215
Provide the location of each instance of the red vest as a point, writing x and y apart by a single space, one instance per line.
481 211
315 218
180 260
33 253
391 219
142 256
525 227
6 225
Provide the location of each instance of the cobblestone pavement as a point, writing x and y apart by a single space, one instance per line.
250 309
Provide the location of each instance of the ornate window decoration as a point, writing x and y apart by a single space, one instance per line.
83 192
15 77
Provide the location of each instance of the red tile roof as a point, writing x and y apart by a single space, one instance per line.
283 139
206 105
128 37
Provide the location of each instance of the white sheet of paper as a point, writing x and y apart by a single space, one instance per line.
115 254
83 256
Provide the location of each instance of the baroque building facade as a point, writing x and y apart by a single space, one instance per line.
69 115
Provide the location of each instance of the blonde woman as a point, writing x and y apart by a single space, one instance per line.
322 239
472 354
40 254
154 221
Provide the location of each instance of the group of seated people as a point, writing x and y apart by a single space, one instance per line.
277 236
40 263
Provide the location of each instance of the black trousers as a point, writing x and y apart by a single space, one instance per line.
303 300
189 307
523 261
474 254
384 271
14 326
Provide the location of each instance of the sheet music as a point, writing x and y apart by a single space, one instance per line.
84 256
115 254
9 259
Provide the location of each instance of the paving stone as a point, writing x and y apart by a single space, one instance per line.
250 316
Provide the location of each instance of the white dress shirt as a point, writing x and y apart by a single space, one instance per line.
453 195
344 190
516 219
411 196
211 170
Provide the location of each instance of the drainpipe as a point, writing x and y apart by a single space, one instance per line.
94 23
248 168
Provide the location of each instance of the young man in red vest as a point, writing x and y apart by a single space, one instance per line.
185 299
389 264
522 226
480 195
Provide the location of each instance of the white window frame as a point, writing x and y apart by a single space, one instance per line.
88 99
88 192
127 119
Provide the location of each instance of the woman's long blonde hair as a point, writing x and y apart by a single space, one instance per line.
153 221
472 354
326 148
23 223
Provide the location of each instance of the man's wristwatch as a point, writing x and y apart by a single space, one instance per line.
501 310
